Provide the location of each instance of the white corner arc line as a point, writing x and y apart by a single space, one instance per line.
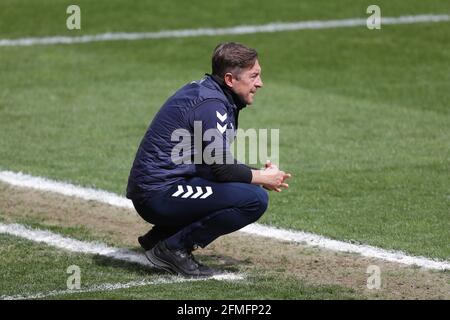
23 180
244 29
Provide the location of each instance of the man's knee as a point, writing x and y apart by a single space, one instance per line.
258 203
263 197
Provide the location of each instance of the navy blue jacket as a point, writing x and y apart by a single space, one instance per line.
154 168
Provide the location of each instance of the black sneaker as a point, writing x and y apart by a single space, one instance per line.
156 234
179 262
147 243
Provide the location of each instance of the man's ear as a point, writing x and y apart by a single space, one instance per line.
228 79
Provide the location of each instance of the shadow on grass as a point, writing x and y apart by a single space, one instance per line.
225 263
132 267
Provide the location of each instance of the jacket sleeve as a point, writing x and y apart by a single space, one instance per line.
213 119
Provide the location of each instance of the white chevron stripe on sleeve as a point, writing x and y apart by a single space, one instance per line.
221 128
222 117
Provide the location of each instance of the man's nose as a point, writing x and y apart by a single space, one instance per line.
259 83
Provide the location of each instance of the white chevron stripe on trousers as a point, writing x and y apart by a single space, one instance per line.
190 192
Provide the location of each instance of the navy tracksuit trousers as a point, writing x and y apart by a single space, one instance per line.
197 211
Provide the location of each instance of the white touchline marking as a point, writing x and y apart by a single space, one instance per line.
61 242
116 286
265 28
67 189
341 246
24 180
96 288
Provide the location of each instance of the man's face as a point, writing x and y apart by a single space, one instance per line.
246 83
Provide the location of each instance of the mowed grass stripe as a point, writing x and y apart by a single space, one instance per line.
365 140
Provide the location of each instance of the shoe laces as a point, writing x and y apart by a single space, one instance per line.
195 260
187 254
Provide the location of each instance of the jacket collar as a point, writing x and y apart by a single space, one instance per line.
232 97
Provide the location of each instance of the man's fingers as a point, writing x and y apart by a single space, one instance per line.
269 164
284 185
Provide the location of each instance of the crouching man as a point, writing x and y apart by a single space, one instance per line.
190 204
